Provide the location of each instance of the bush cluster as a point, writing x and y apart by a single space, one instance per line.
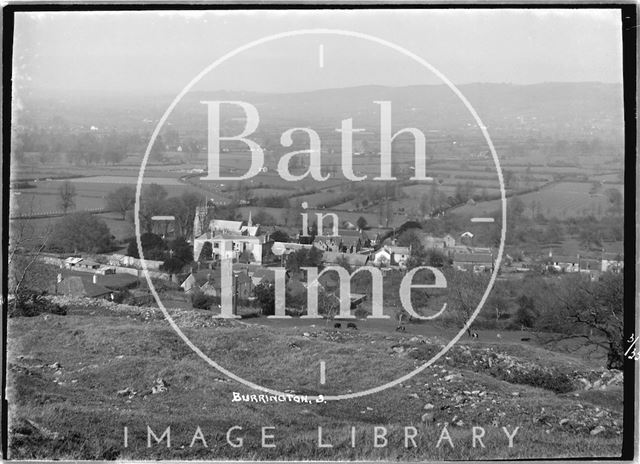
33 304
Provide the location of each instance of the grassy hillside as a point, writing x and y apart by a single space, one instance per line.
76 381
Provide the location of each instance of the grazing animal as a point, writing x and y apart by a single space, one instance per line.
337 325
498 335
526 339
351 325
401 328
474 334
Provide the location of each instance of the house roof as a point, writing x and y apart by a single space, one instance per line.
72 260
355 259
398 250
77 286
476 258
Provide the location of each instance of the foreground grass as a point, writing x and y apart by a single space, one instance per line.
72 410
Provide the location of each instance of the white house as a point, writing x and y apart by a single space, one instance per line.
391 255
229 239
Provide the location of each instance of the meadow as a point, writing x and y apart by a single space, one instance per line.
561 200
76 381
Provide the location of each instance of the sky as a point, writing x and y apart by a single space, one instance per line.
147 53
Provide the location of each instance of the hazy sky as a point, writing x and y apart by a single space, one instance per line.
152 53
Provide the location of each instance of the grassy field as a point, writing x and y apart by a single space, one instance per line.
65 373
562 200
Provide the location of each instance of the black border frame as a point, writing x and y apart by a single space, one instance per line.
629 24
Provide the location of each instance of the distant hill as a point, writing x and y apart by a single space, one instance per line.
594 109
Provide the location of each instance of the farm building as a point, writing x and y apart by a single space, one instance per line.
611 262
209 281
354 259
429 242
476 262
76 286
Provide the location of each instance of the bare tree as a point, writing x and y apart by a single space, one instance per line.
590 313
68 194
121 200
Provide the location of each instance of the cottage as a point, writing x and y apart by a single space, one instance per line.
209 282
476 262
561 263
611 262
391 255
353 259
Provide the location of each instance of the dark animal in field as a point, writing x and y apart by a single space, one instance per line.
526 339
337 325
401 328
474 334
351 325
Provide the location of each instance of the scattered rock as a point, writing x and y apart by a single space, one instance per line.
427 417
414 395
306 334
563 421
126 392
55 365
428 406
597 430
159 387
398 348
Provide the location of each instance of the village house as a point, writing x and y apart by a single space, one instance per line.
560 263
349 241
436 243
330 258
476 262
391 255
230 239
611 262
209 282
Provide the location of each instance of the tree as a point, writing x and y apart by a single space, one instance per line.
151 204
206 253
245 257
266 297
121 200
181 249
81 232
311 257
526 314
153 247
465 291
280 236
67 192
361 223
591 312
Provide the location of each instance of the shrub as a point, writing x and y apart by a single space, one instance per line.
33 304
201 301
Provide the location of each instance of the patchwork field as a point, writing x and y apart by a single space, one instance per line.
562 200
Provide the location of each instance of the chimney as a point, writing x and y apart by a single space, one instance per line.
95 279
